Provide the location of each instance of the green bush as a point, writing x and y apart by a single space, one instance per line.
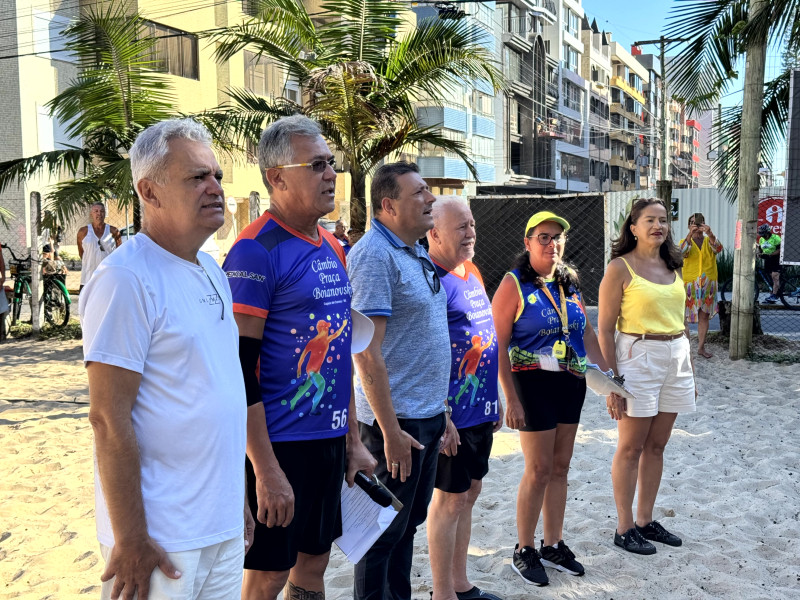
724 266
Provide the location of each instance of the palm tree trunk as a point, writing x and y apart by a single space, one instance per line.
744 256
358 205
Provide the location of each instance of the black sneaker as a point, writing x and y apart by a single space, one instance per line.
560 557
632 541
476 593
656 533
527 565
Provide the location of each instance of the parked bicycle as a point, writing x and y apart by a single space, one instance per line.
788 290
55 295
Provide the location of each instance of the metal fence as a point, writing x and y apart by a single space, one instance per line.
595 220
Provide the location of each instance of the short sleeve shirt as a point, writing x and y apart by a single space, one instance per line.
473 348
300 286
389 280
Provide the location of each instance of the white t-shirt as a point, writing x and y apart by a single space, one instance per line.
93 252
151 312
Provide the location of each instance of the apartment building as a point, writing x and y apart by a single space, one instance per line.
467 114
596 70
31 29
650 158
627 119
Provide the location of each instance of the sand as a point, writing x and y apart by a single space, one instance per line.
731 488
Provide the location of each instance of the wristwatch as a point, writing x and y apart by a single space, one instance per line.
448 410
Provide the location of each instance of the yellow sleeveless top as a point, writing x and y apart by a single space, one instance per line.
649 307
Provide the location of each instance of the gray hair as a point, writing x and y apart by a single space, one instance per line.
149 151
275 147
443 202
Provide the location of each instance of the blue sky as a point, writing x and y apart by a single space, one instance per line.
630 21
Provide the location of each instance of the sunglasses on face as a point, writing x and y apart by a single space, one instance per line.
318 166
544 238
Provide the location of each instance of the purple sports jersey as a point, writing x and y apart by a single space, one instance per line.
300 286
473 346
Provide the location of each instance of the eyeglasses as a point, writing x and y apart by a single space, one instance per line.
318 166
428 271
101 246
544 238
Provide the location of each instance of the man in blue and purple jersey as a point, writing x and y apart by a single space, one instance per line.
291 301
477 411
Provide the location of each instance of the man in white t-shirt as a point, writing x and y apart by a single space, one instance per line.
167 397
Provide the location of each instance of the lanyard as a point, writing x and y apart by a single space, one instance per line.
561 313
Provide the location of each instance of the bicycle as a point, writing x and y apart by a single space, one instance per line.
56 297
788 288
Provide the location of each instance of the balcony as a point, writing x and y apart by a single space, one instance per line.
452 117
619 108
619 161
619 82
622 136
550 130
552 90
442 167
546 9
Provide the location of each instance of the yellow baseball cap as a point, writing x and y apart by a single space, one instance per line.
545 215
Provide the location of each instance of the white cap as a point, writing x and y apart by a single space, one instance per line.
363 328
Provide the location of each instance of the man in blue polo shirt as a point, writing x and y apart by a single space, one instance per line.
403 376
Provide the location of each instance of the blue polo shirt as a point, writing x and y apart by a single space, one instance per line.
389 280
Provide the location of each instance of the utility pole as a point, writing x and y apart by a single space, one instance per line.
744 255
664 184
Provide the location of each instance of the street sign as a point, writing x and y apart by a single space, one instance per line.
231 203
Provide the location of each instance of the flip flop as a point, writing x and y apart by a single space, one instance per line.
704 354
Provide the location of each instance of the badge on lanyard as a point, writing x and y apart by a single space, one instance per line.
560 347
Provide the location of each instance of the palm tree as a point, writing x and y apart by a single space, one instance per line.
706 67
112 99
360 79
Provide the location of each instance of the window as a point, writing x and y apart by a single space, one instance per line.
262 76
482 103
571 58
513 117
573 131
175 51
483 149
573 96
571 22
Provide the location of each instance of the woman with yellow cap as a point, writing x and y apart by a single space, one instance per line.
540 318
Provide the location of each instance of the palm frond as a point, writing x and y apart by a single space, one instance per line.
5 216
439 54
705 65
363 30
54 163
234 125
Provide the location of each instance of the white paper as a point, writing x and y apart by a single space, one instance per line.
363 522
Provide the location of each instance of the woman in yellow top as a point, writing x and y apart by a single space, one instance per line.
641 334
699 250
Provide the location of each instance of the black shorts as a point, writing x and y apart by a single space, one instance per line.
549 398
454 474
772 263
315 470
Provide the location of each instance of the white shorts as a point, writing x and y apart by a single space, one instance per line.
210 573
658 373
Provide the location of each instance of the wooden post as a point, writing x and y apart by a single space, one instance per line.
36 300
747 198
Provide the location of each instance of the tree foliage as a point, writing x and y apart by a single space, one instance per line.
707 67
361 73
116 95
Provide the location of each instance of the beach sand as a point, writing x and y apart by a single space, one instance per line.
731 489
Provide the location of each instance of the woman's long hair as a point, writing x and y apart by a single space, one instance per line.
626 242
